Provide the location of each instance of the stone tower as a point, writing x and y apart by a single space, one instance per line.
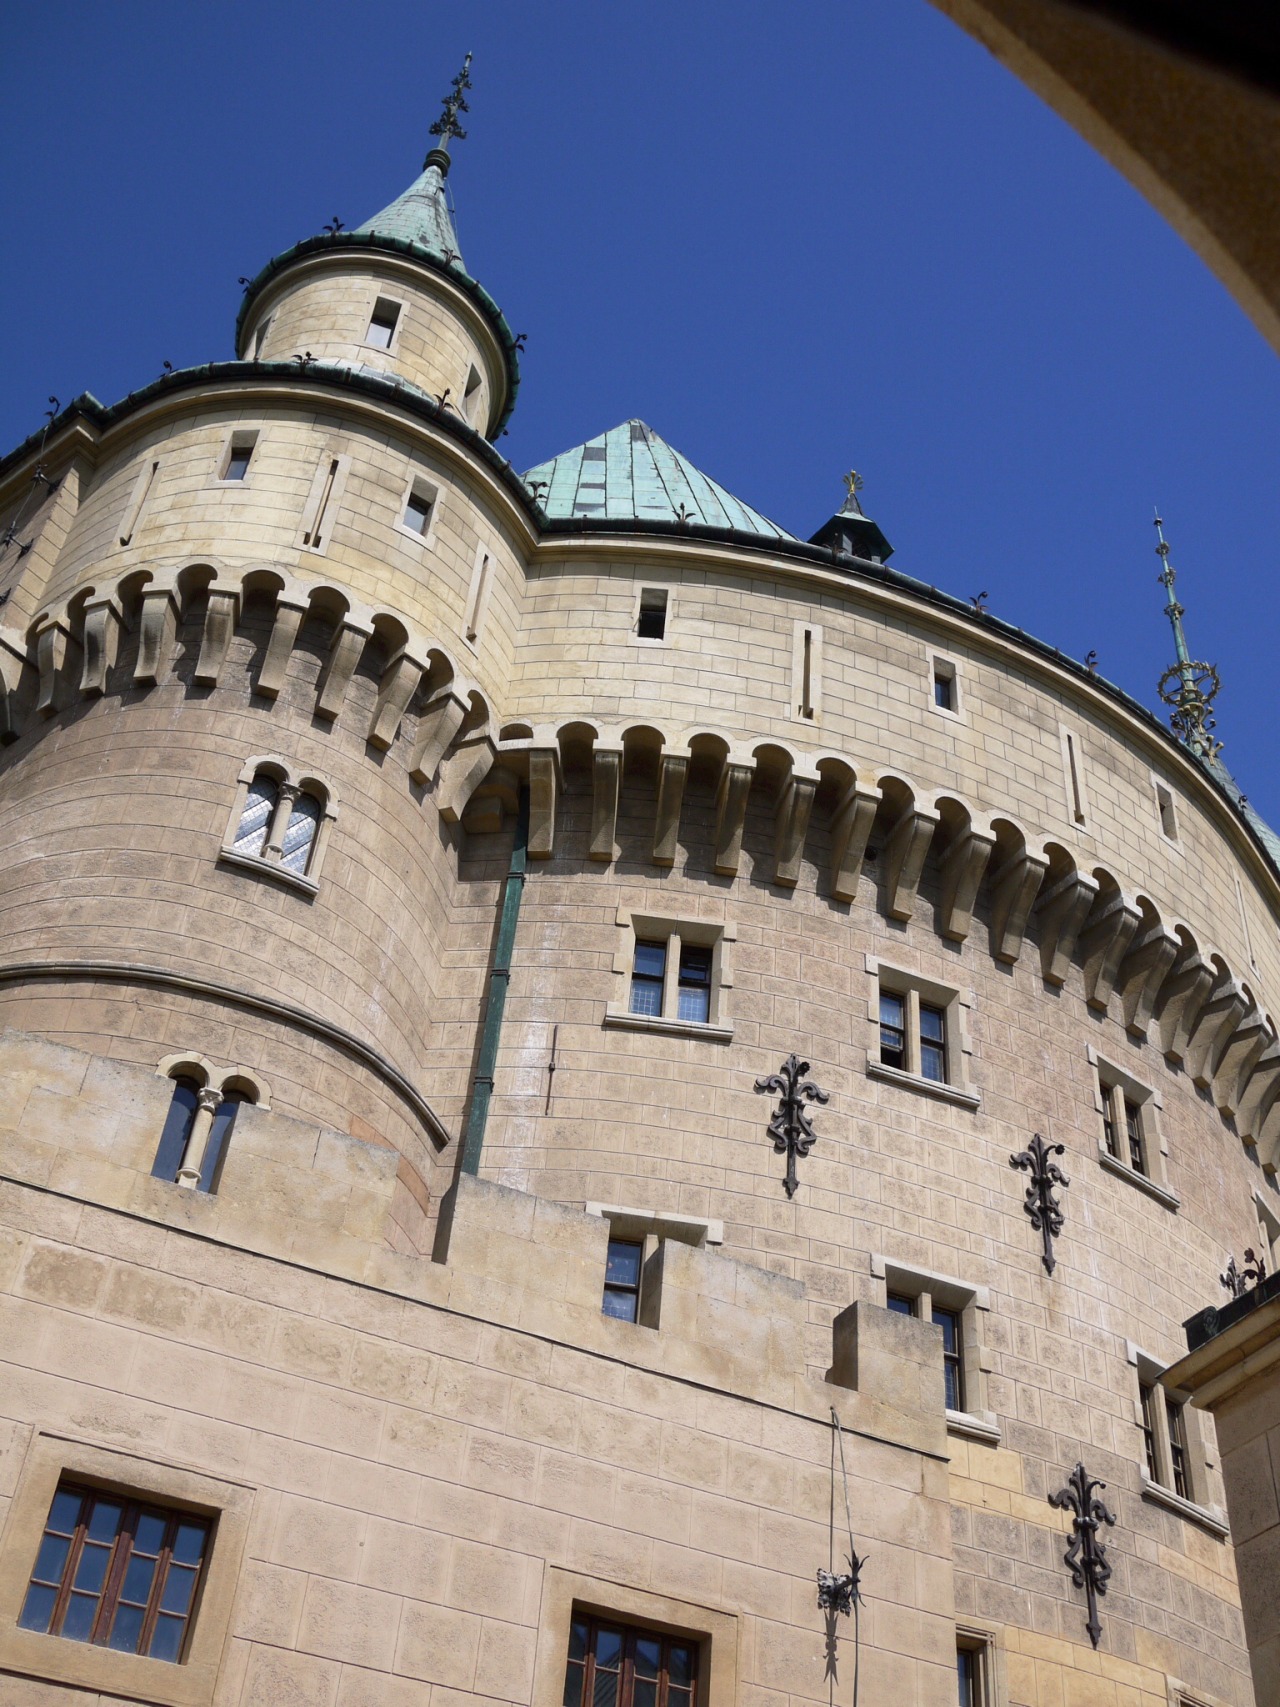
573 1060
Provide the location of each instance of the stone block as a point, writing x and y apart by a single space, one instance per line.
889 1357
438 1645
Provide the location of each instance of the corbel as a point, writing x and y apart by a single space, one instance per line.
157 625
349 640
103 618
1143 971
284 637
1258 1090
461 775
1238 1053
606 780
220 617
963 866
1013 894
1217 1019
851 824
673 773
1104 942
400 681
791 813
1060 912
732 790
1181 1001
905 850
438 723
51 639
544 788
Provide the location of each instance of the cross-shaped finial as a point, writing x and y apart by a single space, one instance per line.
447 124
853 484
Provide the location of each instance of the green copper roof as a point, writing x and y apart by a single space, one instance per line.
421 215
631 474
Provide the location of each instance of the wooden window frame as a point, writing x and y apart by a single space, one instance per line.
120 1556
622 1288
631 1634
1118 1099
929 1293
676 935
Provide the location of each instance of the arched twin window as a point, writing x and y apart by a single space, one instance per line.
197 1129
279 824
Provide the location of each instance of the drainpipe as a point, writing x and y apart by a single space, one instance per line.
499 979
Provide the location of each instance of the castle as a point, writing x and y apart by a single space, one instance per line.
601 1102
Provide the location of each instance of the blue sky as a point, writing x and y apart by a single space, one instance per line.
794 240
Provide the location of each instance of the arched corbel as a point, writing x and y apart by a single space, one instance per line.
544 790
1060 912
1015 884
13 661
291 610
52 636
963 865
349 640
733 787
851 825
1104 942
1150 957
1182 997
1258 1089
792 810
1237 1054
221 613
157 626
400 681
462 773
905 850
673 773
606 783
103 620
438 723
1218 1018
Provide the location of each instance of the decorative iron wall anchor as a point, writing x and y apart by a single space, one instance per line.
1086 1557
1040 1203
1238 1280
789 1126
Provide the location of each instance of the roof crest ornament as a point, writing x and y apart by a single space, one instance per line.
853 484
447 126
1197 683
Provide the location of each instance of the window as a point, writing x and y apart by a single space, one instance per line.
973 1670
418 506
279 826
1168 817
1178 1462
913 1035
138 501
1122 1128
1129 1141
622 1280
1172 1456
616 1665
116 1572
1147 1396
651 616
260 338
237 456
692 963
1073 765
383 323
944 685
471 398
197 1131
672 975
956 1308
648 978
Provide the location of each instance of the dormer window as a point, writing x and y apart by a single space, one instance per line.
382 325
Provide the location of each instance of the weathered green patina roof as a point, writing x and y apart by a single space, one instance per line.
629 473
420 216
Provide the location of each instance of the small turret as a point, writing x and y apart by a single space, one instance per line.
852 533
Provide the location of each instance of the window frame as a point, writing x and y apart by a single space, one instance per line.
983 1642
238 438
1162 1488
650 1229
268 862
942 666
51 1459
630 1635
916 993
675 935
926 1290
618 1241
1114 1092
391 347
668 608
421 485
234 1085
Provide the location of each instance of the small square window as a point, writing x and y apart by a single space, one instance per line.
239 454
651 620
382 325
622 1280
418 507
117 1573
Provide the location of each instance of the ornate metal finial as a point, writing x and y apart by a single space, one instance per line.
1188 687
1086 1557
1239 1280
446 126
789 1126
853 484
1040 1203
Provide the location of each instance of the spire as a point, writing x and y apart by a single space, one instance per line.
1188 687
851 532
421 214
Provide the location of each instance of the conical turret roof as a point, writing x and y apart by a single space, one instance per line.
630 473
420 215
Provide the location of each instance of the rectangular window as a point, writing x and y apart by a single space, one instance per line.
1147 1395
893 1029
614 1665
913 1032
806 671
1177 1447
806 674
117 1573
622 1279
651 619
1124 1126
1073 764
693 996
239 454
1133 1132
648 977
933 1043
901 1304
417 508
382 325
952 1356
944 685
973 1672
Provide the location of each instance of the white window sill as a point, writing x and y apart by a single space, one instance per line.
1158 1494
268 868
647 640
706 1033
237 485
1162 1194
412 533
974 1427
946 711
930 1087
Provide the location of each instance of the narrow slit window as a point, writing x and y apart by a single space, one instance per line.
215 1148
893 1029
255 820
138 503
260 337
316 534
647 978
300 834
383 323
177 1130
1073 776
806 673
479 594
622 1280
651 620
239 456
952 1358
117 1573
471 397
418 507
1168 817
944 685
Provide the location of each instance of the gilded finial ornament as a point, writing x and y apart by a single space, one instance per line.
1188 687
853 484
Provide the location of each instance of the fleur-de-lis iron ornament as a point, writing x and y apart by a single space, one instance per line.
1040 1203
1086 1557
789 1126
1238 1280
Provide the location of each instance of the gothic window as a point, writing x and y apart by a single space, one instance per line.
197 1130
615 1665
116 1572
278 826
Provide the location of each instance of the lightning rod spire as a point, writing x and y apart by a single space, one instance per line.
1188 687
